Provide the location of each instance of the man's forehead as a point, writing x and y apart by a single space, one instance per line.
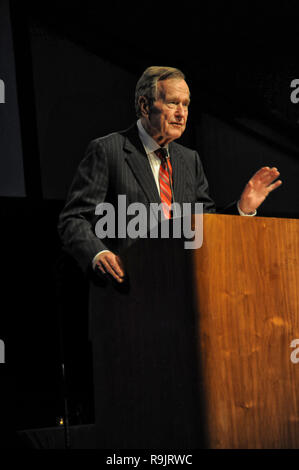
173 86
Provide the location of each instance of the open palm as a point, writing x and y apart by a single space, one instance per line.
258 188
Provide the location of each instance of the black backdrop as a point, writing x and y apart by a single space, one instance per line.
76 66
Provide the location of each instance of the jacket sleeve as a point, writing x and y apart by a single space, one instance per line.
77 219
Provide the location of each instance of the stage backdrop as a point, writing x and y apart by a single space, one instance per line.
78 97
11 161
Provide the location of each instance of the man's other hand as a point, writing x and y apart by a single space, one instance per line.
258 188
109 263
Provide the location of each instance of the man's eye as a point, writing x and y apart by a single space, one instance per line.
176 103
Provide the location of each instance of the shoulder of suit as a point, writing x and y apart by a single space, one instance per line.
184 151
109 138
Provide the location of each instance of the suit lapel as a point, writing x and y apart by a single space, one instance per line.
139 164
178 170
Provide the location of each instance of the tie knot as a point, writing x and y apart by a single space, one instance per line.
162 154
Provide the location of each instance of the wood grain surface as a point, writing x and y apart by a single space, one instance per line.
247 280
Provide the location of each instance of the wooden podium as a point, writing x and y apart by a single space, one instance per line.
247 279
194 351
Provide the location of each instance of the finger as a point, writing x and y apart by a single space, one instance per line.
115 265
117 269
266 177
260 174
275 185
265 170
262 170
120 263
273 171
108 268
100 267
268 180
273 175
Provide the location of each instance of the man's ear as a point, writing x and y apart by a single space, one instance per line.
144 106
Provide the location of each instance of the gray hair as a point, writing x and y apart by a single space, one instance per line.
147 83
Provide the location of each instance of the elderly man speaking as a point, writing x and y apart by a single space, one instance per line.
143 358
130 163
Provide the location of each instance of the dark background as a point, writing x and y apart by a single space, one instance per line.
70 71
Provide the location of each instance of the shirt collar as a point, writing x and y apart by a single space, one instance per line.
148 142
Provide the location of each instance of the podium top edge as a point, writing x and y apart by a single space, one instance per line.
256 217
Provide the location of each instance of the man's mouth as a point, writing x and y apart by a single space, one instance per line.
179 124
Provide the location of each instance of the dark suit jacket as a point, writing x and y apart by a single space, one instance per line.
117 164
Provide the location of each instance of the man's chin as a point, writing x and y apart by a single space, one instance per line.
176 133
171 135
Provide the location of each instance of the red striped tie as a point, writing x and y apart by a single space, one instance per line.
164 180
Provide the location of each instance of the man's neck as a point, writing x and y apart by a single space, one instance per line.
154 134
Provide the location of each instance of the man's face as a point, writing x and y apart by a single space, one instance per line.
167 118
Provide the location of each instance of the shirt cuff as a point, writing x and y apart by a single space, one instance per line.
95 259
243 213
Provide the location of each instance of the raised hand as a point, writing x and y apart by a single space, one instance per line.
258 188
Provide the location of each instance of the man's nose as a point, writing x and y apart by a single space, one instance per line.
180 110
